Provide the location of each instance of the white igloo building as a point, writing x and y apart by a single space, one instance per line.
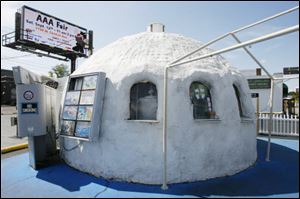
211 120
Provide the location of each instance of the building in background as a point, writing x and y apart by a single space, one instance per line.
8 88
260 83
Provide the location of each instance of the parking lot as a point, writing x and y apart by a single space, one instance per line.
8 132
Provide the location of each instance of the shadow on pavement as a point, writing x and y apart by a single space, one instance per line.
279 176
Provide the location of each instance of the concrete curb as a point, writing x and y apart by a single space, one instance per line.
14 148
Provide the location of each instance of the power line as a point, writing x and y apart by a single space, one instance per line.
27 62
30 65
15 57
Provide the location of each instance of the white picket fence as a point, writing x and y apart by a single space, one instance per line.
282 124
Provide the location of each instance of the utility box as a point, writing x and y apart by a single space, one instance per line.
36 108
37 119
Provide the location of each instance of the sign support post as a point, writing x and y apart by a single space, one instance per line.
73 63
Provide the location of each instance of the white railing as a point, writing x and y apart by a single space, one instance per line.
282 124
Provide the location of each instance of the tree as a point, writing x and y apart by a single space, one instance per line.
294 95
60 70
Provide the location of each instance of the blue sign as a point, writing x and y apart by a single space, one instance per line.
29 108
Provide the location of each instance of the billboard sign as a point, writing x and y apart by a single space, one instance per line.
47 30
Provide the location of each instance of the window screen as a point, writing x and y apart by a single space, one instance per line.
143 101
201 100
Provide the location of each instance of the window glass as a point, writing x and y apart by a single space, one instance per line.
68 127
89 82
78 83
75 84
83 129
237 95
201 100
85 113
143 101
87 97
70 112
72 98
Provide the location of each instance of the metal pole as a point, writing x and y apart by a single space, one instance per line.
203 46
247 43
270 120
164 185
73 64
236 31
252 56
266 19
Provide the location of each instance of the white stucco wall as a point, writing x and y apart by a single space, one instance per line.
197 149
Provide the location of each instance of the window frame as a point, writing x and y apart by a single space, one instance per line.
136 118
95 114
211 114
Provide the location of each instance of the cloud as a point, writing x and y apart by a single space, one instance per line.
8 9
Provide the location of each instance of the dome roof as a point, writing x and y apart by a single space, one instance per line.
151 49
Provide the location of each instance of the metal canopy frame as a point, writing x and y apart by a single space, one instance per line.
237 46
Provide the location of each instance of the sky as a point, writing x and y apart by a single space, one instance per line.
201 20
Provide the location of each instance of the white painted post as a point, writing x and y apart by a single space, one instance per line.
280 123
273 123
293 125
284 124
263 121
260 123
267 124
288 124
296 121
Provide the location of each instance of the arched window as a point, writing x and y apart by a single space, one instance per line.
201 100
238 97
143 101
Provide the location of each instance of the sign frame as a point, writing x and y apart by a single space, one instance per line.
291 70
259 83
47 47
